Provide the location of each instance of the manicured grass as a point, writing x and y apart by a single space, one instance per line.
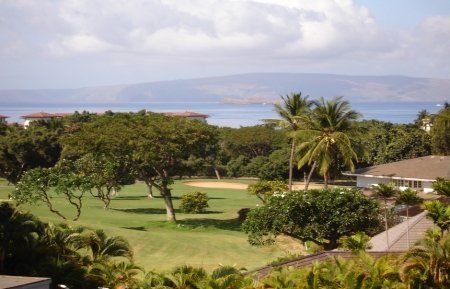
197 239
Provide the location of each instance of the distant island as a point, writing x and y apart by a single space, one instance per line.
251 88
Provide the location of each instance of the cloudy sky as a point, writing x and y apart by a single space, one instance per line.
79 43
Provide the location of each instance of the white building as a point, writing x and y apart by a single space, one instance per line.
418 173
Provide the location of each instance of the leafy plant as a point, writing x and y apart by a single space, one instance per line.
194 203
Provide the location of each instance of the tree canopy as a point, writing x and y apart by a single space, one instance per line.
154 145
320 216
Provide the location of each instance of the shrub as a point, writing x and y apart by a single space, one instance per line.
194 203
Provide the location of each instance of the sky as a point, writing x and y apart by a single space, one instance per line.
53 44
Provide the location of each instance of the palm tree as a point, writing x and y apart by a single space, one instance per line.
442 186
185 277
293 109
439 213
104 247
116 275
408 197
385 191
432 257
359 241
63 242
328 136
17 230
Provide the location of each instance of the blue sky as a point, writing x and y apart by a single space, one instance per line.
79 43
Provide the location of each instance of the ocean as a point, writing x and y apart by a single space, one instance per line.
231 115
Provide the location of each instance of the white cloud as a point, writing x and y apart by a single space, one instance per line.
266 35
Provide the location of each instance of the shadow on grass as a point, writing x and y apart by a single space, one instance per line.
177 198
119 198
146 211
230 225
199 225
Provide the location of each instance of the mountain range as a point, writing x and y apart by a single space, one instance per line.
248 88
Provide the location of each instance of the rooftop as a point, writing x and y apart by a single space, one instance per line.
426 168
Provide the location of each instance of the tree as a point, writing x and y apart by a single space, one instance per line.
328 136
293 109
393 142
17 230
442 187
440 132
439 213
24 149
359 241
263 190
408 197
37 184
319 216
153 144
431 258
101 175
385 191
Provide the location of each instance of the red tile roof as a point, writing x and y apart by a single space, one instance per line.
44 115
3 116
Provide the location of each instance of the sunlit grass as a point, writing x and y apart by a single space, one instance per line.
196 239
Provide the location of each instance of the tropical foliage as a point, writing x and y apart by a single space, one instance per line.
263 190
319 216
330 137
292 111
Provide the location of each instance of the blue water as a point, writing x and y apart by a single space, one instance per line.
221 114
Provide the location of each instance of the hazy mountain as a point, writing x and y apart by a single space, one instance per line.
255 87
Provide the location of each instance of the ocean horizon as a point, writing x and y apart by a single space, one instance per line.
230 115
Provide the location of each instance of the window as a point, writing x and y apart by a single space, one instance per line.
408 184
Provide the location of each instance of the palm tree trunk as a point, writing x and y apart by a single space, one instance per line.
291 162
407 226
325 180
386 225
310 174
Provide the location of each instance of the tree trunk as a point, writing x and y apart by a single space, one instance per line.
150 191
325 180
291 162
386 225
407 226
216 170
2 261
167 195
310 174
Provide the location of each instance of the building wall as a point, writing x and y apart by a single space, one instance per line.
367 182
28 120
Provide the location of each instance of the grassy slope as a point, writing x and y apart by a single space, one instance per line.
217 237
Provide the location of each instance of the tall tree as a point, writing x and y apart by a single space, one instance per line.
440 133
385 191
154 144
330 135
293 109
408 197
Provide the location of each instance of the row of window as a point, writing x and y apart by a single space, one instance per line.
408 184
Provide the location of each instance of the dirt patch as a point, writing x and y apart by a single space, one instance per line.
239 186
217 185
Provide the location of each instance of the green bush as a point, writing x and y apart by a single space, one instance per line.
194 203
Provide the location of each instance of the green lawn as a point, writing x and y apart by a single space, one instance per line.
199 240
